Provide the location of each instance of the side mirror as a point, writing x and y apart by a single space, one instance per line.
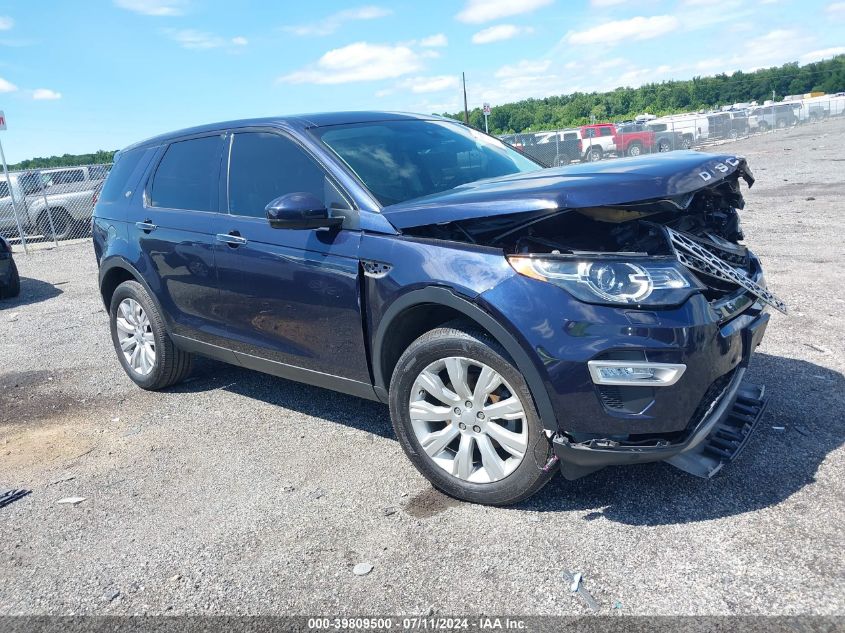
300 211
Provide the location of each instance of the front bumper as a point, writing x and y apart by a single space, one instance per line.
717 439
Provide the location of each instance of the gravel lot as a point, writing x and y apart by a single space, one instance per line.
241 493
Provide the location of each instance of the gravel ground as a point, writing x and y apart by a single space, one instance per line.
242 493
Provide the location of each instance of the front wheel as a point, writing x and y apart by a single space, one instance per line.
465 417
143 346
663 147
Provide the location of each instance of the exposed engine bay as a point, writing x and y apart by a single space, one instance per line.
700 229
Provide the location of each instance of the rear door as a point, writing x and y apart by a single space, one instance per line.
291 297
175 227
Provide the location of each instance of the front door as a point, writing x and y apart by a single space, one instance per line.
291 296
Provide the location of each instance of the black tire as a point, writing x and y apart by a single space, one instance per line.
733 134
62 222
13 289
687 142
593 155
663 146
635 149
780 124
172 365
463 340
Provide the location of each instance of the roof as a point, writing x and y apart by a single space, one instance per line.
301 121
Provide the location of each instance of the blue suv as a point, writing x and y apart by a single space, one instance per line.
517 319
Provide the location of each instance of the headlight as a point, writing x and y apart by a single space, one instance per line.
647 282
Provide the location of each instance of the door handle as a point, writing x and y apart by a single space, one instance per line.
233 239
146 226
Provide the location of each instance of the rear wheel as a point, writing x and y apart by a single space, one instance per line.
143 346
780 124
635 149
594 154
62 223
465 417
734 134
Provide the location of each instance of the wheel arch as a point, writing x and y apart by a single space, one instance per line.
420 311
114 272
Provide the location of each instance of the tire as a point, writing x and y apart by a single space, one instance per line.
471 353
635 149
593 155
687 144
13 289
733 134
663 146
780 124
170 365
62 222
764 127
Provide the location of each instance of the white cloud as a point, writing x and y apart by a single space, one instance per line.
360 61
153 7
824 53
634 29
7 86
439 83
479 11
194 40
607 3
45 94
524 68
434 40
499 33
333 22
6 23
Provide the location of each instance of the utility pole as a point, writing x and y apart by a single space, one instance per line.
466 110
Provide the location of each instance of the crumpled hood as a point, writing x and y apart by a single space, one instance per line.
672 175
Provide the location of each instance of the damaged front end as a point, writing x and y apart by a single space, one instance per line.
665 303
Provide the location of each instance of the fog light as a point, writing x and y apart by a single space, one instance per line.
626 372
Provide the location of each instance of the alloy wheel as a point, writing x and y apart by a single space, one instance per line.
468 419
135 335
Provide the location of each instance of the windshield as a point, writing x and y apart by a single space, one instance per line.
401 160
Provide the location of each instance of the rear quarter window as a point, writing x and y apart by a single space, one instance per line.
117 183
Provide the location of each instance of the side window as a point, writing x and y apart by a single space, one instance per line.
606 131
4 189
264 166
186 178
117 183
67 176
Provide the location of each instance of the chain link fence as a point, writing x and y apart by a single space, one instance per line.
648 134
52 205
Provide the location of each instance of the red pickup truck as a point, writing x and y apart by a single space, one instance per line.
633 139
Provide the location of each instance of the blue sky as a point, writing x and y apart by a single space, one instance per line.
82 75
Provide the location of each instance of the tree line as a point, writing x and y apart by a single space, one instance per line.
667 97
65 160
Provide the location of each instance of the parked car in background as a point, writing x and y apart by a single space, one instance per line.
558 148
523 141
517 320
65 191
10 281
727 125
633 139
667 139
777 115
597 141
